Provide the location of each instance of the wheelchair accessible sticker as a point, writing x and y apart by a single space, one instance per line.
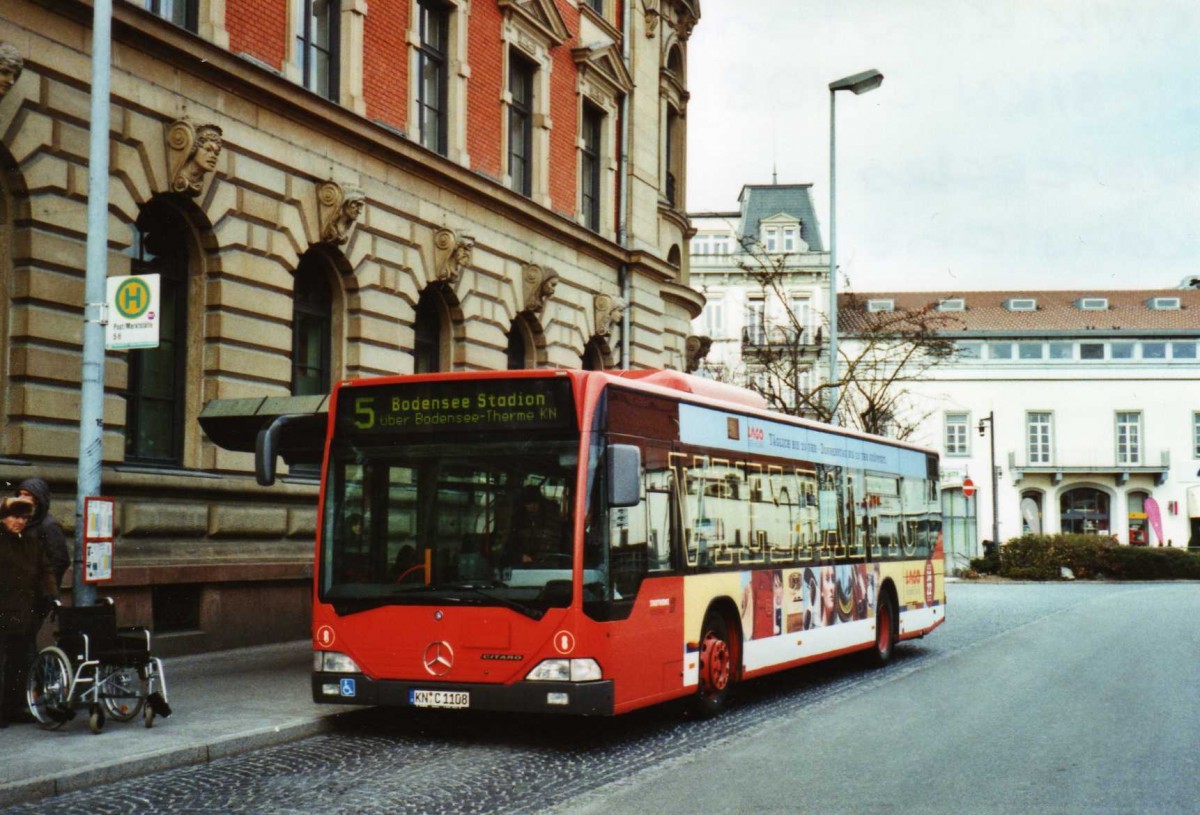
347 687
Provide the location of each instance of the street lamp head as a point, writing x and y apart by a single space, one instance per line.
858 83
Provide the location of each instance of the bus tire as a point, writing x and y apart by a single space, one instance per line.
718 664
886 626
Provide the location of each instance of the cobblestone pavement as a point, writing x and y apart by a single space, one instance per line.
385 761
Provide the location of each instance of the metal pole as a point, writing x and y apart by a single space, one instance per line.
995 479
91 410
833 306
623 280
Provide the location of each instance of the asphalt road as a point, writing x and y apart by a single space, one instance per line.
1088 709
1065 698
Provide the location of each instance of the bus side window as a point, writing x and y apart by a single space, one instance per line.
640 537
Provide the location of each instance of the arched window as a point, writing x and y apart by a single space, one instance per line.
675 62
593 355
1139 519
517 355
312 328
154 393
1084 510
430 330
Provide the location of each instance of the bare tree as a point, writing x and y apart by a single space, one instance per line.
879 353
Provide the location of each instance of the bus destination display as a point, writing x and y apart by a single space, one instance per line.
479 405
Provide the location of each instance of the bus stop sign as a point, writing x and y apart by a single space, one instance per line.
968 488
132 312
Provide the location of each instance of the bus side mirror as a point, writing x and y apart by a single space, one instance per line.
266 449
624 475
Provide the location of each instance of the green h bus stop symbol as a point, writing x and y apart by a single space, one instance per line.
132 312
133 298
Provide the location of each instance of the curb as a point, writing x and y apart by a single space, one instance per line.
53 784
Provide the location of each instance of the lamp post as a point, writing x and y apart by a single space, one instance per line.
858 83
989 422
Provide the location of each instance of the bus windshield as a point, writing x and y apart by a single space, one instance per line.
485 522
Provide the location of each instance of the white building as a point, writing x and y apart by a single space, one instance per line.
1094 401
774 229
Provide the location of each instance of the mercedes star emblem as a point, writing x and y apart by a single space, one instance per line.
439 658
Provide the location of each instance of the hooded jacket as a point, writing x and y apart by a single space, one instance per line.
46 528
26 581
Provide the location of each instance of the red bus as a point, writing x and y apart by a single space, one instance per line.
592 543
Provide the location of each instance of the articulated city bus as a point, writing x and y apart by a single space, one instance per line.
592 543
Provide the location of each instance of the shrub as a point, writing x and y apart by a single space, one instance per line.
1041 557
1138 563
988 564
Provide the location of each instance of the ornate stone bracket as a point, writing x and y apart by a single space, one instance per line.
339 208
192 152
538 284
650 9
696 349
451 254
608 312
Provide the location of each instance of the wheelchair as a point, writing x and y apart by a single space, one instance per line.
94 663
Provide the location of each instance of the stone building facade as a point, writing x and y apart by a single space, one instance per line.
328 191
764 273
1088 400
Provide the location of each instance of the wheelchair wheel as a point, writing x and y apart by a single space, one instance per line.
123 692
48 691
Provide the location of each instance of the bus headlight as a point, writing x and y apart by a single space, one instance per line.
565 670
334 662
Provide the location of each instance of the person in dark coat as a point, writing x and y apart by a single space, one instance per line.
27 588
46 527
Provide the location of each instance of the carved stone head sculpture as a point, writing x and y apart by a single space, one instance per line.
340 208
452 254
609 310
11 65
538 285
696 348
194 149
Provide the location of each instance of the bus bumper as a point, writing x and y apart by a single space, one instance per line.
574 698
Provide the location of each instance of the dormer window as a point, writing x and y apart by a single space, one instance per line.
1021 304
1092 304
952 304
881 305
1165 303
781 233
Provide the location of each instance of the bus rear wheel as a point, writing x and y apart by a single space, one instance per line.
718 658
885 631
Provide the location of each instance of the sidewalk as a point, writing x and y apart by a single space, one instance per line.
222 704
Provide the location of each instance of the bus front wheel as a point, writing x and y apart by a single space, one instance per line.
718 658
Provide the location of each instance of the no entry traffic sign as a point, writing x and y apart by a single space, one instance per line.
968 488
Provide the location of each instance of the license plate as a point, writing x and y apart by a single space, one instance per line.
440 698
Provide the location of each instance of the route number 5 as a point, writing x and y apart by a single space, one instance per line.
364 413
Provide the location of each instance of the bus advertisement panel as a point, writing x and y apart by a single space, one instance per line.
593 543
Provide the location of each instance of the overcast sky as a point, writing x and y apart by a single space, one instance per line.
1014 143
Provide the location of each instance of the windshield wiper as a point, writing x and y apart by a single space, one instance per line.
357 605
443 593
478 590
